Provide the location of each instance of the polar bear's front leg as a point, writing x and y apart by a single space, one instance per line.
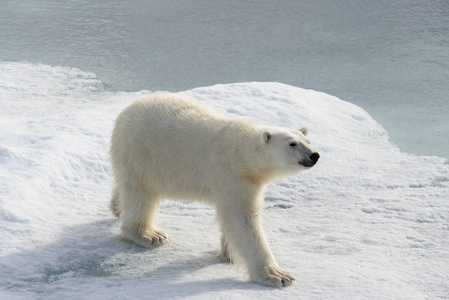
241 224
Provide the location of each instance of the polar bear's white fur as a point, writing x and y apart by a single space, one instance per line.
171 146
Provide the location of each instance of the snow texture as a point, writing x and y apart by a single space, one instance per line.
368 222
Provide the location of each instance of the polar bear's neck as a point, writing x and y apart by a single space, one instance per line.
244 146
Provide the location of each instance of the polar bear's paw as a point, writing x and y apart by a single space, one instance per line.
274 276
224 256
148 240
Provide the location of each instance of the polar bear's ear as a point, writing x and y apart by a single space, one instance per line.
266 136
304 131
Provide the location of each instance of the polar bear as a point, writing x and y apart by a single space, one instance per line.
172 146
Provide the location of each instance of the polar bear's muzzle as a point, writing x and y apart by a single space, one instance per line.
313 159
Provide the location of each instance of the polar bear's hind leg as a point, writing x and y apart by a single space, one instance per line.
114 205
137 219
224 254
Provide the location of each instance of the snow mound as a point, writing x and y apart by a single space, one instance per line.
367 222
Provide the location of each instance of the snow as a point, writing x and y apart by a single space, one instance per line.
367 222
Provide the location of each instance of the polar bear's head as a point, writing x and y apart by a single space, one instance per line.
289 150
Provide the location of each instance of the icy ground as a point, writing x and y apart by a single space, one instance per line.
368 222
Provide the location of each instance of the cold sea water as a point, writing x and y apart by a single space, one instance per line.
389 57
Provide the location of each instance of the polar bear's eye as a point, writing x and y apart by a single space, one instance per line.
292 144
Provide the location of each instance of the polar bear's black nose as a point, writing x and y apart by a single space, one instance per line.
314 157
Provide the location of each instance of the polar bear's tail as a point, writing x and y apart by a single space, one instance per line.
114 205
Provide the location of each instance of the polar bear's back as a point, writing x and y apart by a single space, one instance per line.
177 107
172 121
